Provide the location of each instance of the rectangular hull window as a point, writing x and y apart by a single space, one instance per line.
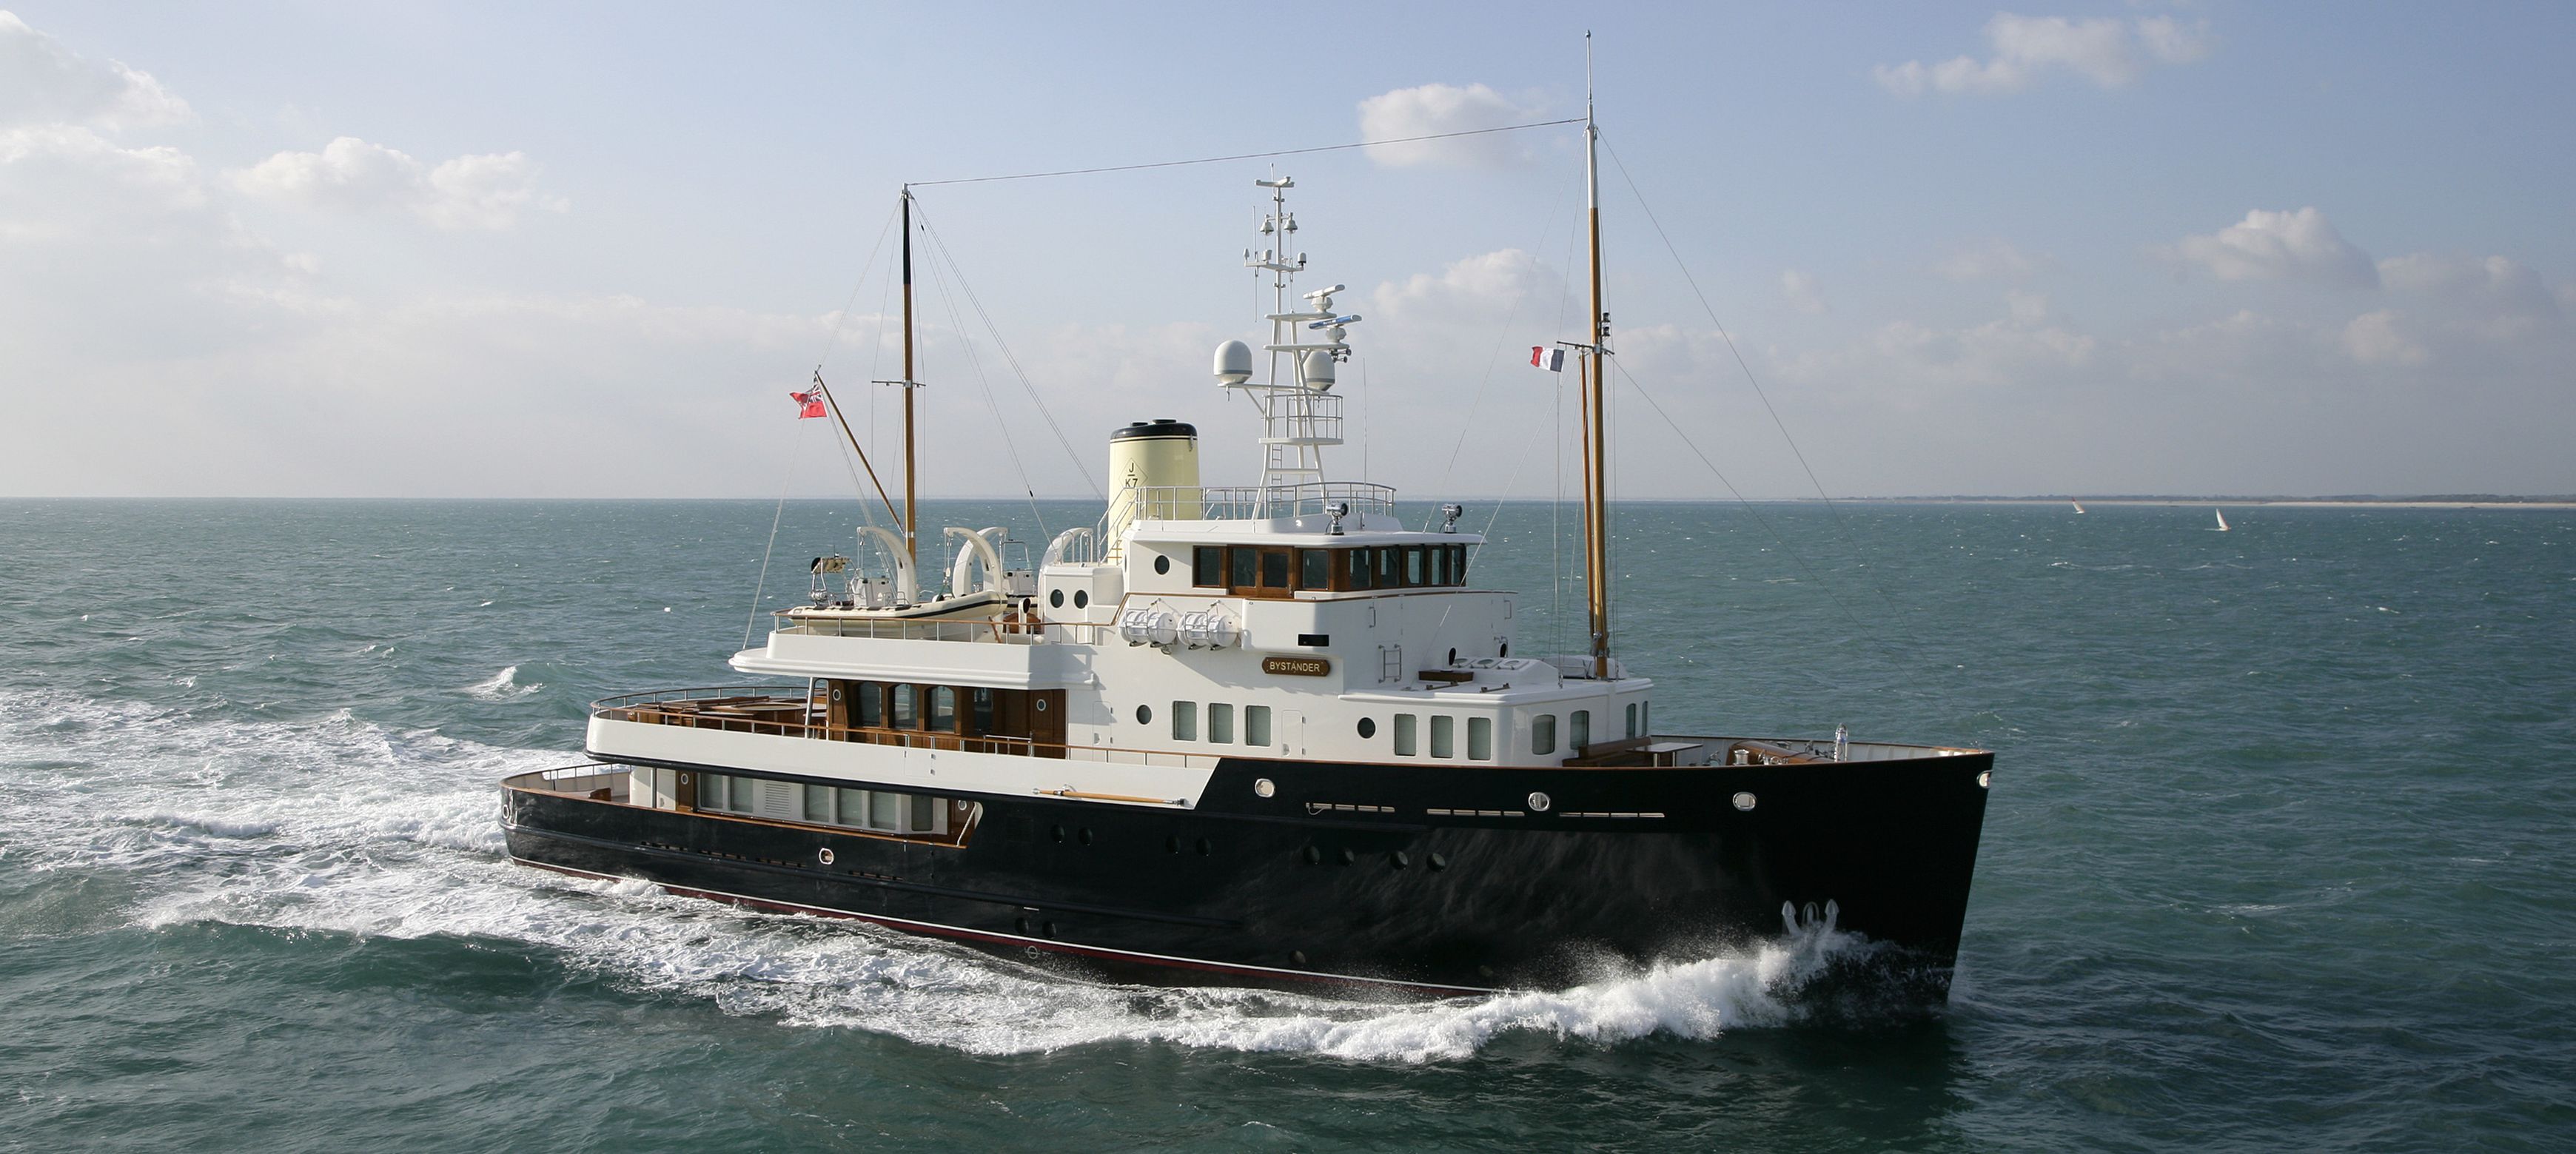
1404 735
1220 722
1444 735
1256 725
1543 733
1578 730
1480 739
1185 721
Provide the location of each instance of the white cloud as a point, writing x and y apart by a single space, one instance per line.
1432 109
1990 260
1478 290
65 181
1800 289
2377 339
2494 289
486 191
42 82
1911 365
2109 52
2300 245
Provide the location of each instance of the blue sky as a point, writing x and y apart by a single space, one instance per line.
584 251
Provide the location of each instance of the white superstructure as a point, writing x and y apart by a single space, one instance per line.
1299 618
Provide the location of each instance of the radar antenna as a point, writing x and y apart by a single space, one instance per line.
1300 414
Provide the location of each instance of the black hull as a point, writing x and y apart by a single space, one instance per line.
1276 891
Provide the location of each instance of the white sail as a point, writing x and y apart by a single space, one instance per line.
2079 505
2222 519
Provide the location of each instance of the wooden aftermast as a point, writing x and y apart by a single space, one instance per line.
1596 486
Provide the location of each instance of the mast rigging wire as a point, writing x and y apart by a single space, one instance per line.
1840 528
982 380
1010 358
1247 155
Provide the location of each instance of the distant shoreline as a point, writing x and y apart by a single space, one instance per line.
2547 503
2235 502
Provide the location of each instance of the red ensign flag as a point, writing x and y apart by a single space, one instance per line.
812 402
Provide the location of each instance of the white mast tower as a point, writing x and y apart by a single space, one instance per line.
1299 413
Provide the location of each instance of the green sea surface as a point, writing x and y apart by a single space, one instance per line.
2281 852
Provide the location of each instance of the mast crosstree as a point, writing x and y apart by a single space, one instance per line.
1300 415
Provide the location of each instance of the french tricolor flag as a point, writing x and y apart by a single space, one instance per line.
1553 360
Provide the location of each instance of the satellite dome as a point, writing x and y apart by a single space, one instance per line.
1233 363
1318 371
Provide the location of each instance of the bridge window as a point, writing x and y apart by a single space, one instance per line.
871 703
1413 569
1207 565
1361 568
1390 567
1247 569
943 709
1578 730
1274 569
1314 568
982 710
907 712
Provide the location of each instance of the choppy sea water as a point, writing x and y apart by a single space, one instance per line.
2281 853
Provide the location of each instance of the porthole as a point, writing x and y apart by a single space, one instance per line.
1171 845
1047 929
1314 856
1349 857
1039 705
1538 802
1162 564
1084 836
1985 779
1399 859
824 855
1368 727
1264 787
1020 924
1438 861
1144 715
1056 832
1744 801
1296 957
1204 848
1082 598
1055 597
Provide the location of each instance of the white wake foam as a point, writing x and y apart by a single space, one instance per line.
339 825
503 686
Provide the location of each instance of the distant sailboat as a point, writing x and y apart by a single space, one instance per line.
2222 519
2079 505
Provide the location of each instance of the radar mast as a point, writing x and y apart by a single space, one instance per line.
1299 412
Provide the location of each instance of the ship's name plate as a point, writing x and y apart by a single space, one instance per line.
1298 666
